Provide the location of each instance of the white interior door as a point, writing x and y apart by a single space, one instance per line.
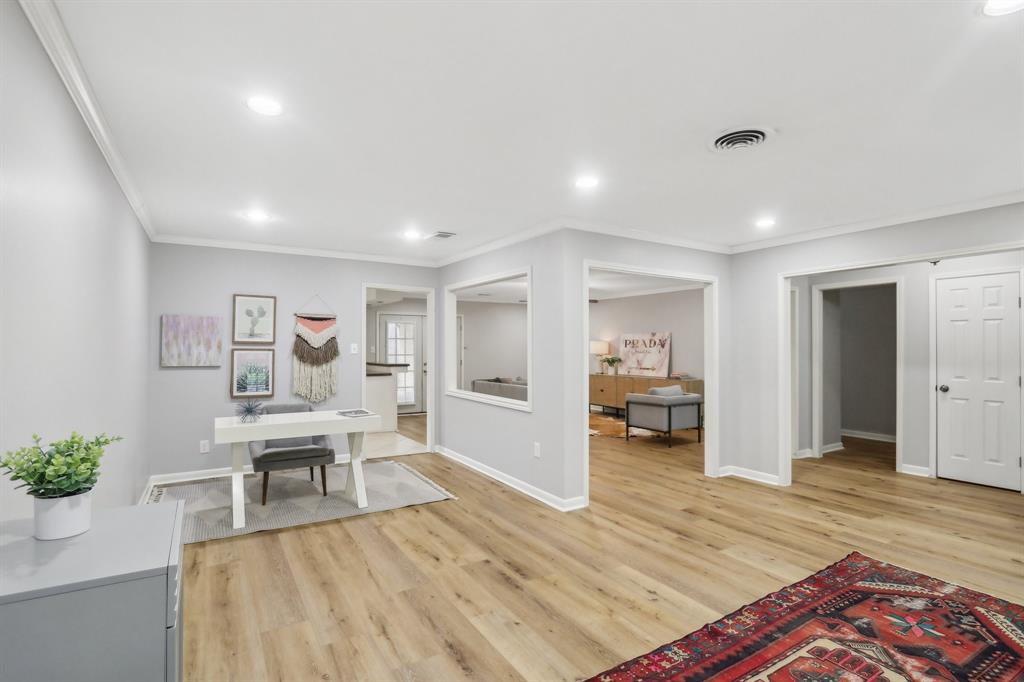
402 337
978 369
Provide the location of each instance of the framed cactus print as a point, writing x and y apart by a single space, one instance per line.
252 372
254 319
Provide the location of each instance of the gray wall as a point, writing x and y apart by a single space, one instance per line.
494 338
198 280
73 279
678 312
831 368
868 330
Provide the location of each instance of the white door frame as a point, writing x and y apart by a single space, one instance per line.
429 336
933 356
817 332
711 360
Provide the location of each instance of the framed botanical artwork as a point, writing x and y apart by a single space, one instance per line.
191 340
646 354
252 372
254 319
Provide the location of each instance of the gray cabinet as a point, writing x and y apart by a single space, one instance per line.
104 605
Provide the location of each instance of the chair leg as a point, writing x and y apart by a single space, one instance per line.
311 474
669 434
266 482
323 477
627 422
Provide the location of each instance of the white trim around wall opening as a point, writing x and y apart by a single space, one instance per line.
452 338
818 448
431 353
784 444
711 360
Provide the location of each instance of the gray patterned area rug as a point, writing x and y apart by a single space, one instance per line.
293 500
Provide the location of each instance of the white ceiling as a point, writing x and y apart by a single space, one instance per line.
606 284
475 117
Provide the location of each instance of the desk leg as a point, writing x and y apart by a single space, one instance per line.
355 487
237 485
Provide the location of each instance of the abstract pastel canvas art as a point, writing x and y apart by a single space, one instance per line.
191 340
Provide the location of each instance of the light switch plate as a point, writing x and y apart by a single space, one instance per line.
354 349
204 447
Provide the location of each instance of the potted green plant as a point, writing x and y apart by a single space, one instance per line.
612 361
60 477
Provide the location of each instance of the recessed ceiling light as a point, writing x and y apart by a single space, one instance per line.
262 104
256 215
765 223
412 235
997 8
587 182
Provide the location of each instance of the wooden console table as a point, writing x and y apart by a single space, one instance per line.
609 390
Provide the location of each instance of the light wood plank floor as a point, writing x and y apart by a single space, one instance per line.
413 426
495 586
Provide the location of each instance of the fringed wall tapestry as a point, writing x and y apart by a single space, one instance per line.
314 356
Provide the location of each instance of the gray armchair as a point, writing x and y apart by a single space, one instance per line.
665 409
291 453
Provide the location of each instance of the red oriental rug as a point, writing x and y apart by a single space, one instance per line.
859 620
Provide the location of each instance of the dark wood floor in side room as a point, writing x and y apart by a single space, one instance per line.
495 586
413 426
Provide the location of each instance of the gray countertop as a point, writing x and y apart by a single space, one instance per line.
124 543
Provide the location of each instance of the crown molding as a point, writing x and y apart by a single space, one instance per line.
290 250
993 201
648 292
45 18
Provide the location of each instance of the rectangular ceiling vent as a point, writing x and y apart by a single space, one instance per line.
440 235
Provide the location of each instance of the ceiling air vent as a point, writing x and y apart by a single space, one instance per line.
440 235
740 139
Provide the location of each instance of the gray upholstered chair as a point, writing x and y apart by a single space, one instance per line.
664 409
291 453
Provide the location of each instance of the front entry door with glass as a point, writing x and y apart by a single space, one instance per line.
402 337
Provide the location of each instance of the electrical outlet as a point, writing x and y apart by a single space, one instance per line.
354 349
536 450
204 447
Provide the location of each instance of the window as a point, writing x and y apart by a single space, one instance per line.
489 340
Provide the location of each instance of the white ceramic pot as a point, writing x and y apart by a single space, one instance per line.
62 517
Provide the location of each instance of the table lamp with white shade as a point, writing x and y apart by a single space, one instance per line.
600 349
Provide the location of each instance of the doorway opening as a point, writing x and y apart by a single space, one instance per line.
650 383
398 351
946 330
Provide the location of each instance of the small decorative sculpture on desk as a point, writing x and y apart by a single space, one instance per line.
250 411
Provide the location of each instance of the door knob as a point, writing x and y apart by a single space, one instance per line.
944 388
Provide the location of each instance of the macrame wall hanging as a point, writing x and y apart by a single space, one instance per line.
314 356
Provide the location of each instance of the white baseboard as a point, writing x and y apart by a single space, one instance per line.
200 474
806 453
915 470
868 435
831 447
749 474
559 503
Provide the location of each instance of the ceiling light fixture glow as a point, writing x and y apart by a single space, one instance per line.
412 235
765 223
998 8
264 105
256 215
587 182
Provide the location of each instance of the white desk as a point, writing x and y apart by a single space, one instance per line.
293 425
